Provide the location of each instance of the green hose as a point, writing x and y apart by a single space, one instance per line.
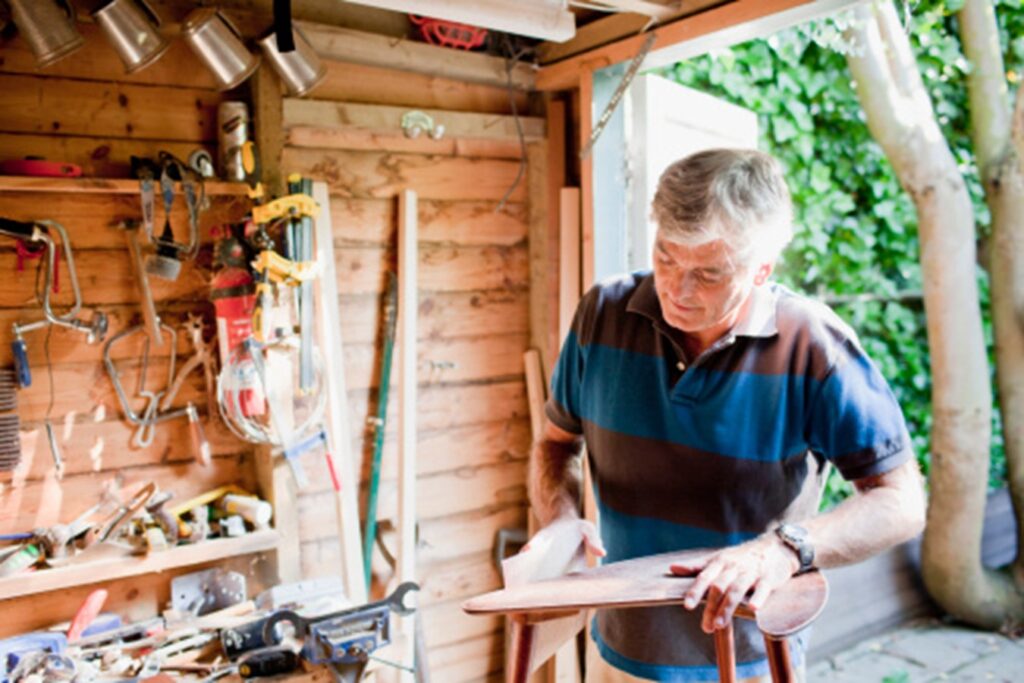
390 321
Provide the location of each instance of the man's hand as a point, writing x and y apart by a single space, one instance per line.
761 565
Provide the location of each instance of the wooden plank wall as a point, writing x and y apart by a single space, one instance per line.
474 431
85 110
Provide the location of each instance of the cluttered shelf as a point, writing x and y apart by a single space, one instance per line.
101 186
119 565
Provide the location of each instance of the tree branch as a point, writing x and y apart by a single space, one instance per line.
986 85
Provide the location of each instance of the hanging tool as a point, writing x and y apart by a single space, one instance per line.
39 232
152 415
10 424
149 314
203 356
169 254
344 640
301 249
380 422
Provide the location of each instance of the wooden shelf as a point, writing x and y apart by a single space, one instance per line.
11 183
109 567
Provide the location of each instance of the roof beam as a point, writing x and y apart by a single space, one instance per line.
727 24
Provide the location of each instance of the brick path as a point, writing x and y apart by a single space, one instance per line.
926 651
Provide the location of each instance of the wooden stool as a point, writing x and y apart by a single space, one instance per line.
647 582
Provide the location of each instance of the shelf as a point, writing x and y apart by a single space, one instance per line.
11 183
111 566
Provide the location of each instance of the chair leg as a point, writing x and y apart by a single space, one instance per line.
779 661
522 649
725 654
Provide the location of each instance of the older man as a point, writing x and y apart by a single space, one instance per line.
712 404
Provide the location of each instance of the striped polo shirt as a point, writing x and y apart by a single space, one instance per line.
712 451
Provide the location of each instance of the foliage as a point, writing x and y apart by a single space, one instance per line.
856 228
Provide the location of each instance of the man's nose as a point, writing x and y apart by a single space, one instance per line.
685 285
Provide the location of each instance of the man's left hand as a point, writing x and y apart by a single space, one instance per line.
761 565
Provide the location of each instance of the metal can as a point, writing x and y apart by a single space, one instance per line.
232 133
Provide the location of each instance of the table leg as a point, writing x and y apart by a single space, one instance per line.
725 654
522 649
779 661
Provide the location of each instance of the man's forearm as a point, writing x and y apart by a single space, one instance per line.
875 519
555 479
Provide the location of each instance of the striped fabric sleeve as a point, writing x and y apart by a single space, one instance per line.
855 420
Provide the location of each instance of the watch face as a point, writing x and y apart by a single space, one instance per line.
794 532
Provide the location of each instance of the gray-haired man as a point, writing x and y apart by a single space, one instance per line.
712 403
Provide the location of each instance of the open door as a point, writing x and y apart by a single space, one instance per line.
667 121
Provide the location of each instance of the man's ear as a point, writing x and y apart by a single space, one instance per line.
764 271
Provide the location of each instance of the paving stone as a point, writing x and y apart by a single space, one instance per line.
875 667
1004 666
943 649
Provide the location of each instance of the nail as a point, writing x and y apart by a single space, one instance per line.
719 622
689 603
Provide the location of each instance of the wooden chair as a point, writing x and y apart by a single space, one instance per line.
647 582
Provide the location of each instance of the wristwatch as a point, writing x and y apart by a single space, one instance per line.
796 538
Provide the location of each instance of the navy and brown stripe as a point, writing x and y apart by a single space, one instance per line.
714 452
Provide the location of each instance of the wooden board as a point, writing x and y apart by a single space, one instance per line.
647 582
383 120
90 446
445 360
347 82
105 157
358 47
373 174
39 504
371 221
441 539
321 138
362 270
69 107
447 406
444 315
478 487
96 60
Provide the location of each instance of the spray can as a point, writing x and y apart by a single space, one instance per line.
232 133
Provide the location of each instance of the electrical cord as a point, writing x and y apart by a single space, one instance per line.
511 57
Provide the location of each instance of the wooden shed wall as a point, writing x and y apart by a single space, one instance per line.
473 307
87 111
473 422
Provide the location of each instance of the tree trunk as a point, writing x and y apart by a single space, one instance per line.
998 147
900 117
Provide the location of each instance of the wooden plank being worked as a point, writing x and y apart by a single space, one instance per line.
375 85
57 106
358 47
387 120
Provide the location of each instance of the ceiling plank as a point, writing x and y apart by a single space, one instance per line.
609 29
368 49
731 23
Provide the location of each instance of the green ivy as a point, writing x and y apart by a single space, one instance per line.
856 227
